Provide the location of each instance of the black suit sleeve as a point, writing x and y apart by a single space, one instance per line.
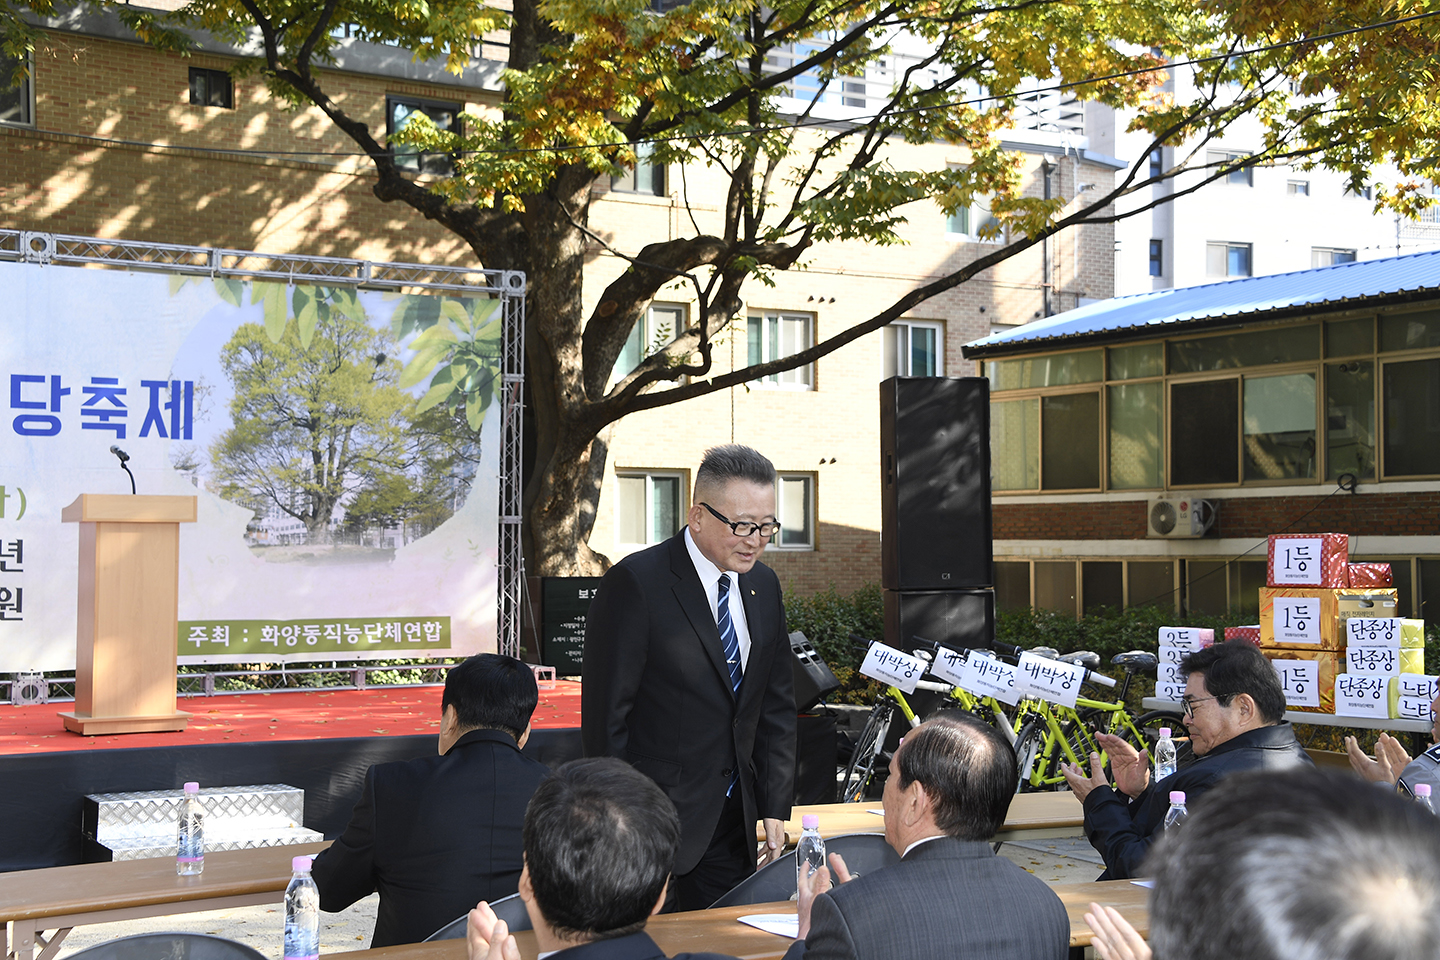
617 634
345 871
829 937
775 731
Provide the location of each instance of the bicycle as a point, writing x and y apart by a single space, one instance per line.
1050 734
869 747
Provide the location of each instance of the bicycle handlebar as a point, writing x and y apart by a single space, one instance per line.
1099 678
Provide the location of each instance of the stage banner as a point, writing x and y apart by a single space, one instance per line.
343 444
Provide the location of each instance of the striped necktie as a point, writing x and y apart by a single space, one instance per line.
728 636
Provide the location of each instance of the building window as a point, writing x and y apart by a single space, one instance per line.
1157 163
1157 259
211 88
661 324
1227 259
1412 418
774 336
446 116
648 508
969 222
1297 188
1238 176
914 348
795 503
1329 256
17 101
1364 193
646 177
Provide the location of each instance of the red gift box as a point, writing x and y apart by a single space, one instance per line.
1371 575
1250 634
1308 560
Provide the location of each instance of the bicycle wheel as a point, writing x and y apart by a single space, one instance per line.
1149 724
862 761
1028 744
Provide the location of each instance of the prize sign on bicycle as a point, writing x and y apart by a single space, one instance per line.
1052 680
977 673
892 667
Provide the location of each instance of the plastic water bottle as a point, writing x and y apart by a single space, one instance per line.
810 851
190 834
1422 796
1177 811
302 913
1164 755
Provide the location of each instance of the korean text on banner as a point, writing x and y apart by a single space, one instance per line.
1052 680
892 667
1361 696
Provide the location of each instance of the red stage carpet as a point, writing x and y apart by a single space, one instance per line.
321 715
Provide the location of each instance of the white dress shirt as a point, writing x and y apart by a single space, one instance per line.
710 580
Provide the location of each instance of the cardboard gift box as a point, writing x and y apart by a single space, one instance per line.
1370 575
1411 687
1249 633
1308 677
1308 560
1387 661
1309 618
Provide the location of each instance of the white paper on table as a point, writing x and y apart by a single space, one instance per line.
1357 695
1173 692
1186 638
1296 562
892 667
780 924
1168 673
1300 679
1297 620
1147 884
1418 685
1415 708
1169 653
1373 631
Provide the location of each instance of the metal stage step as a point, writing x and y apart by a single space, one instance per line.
132 826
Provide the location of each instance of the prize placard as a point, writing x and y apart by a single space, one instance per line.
1297 620
1300 680
1048 679
1361 696
892 667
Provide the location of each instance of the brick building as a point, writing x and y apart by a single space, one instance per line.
110 138
1303 402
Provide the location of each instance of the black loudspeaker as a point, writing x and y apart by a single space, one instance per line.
935 494
957 619
813 678
815 753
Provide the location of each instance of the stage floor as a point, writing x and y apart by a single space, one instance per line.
261 717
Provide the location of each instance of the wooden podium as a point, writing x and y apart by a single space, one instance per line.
125 643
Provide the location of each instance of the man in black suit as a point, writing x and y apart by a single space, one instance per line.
599 842
688 676
436 834
950 785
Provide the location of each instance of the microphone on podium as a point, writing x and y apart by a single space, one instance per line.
123 465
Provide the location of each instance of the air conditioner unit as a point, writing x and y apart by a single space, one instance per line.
1178 517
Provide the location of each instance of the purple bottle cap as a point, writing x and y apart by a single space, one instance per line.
1164 731
1177 796
192 787
1422 789
301 864
811 821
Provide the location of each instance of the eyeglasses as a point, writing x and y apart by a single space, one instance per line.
1187 704
743 528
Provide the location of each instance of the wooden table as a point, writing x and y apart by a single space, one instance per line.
721 932
1032 816
55 899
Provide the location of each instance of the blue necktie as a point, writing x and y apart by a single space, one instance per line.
727 635
732 654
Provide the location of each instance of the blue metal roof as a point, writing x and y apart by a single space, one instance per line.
1248 298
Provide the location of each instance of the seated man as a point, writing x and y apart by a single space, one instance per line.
1392 764
435 834
950 785
600 843
1278 866
1235 711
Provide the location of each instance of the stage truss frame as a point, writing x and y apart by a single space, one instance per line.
29 246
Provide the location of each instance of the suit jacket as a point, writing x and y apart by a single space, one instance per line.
1122 829
946 898
434 835
657 692
637 946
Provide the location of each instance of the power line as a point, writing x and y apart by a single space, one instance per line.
764 129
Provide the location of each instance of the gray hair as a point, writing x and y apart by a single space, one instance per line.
733 461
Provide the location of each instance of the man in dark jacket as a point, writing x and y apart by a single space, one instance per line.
1235 712
436 834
